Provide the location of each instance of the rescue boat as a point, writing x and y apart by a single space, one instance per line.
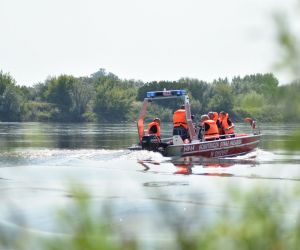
172 147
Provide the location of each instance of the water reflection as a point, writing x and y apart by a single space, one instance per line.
107 136
185 165
66 136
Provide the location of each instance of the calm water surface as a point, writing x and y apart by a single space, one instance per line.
39 161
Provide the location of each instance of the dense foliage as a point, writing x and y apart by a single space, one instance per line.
104 97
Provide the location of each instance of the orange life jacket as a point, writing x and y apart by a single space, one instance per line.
213 131
225 125
179 118
216 116
150 125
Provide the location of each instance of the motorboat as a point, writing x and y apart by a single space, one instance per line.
230 145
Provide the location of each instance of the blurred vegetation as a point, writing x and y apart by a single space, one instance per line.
262 218
87 229
105 97
262 222
287 27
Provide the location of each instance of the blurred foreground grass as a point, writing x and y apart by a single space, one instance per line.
292 143
261 219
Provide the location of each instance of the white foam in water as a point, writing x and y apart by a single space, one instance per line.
262 152
257 154
144 155
279 155
242 157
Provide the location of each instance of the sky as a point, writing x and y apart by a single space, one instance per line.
148 40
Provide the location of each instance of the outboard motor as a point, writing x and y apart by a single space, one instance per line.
150 142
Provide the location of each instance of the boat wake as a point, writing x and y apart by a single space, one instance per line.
57 156
258 164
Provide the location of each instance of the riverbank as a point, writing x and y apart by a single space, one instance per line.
103 97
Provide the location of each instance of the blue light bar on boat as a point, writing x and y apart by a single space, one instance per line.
166 93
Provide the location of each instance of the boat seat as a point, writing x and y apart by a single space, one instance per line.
177 140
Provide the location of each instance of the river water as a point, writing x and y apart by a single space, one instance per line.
40 161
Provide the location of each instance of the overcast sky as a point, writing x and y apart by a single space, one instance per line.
139 39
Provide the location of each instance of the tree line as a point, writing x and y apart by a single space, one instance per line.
104 97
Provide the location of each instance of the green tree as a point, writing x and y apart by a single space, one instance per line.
10 99
250 104
80 96
70 95
5 80
113 99
222 97
265 84
38 111
59 92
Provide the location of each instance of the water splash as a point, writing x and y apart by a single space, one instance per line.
144 155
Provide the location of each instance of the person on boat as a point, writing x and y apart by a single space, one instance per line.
226 124
154 127
180 126
208 129
215 116
194 122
